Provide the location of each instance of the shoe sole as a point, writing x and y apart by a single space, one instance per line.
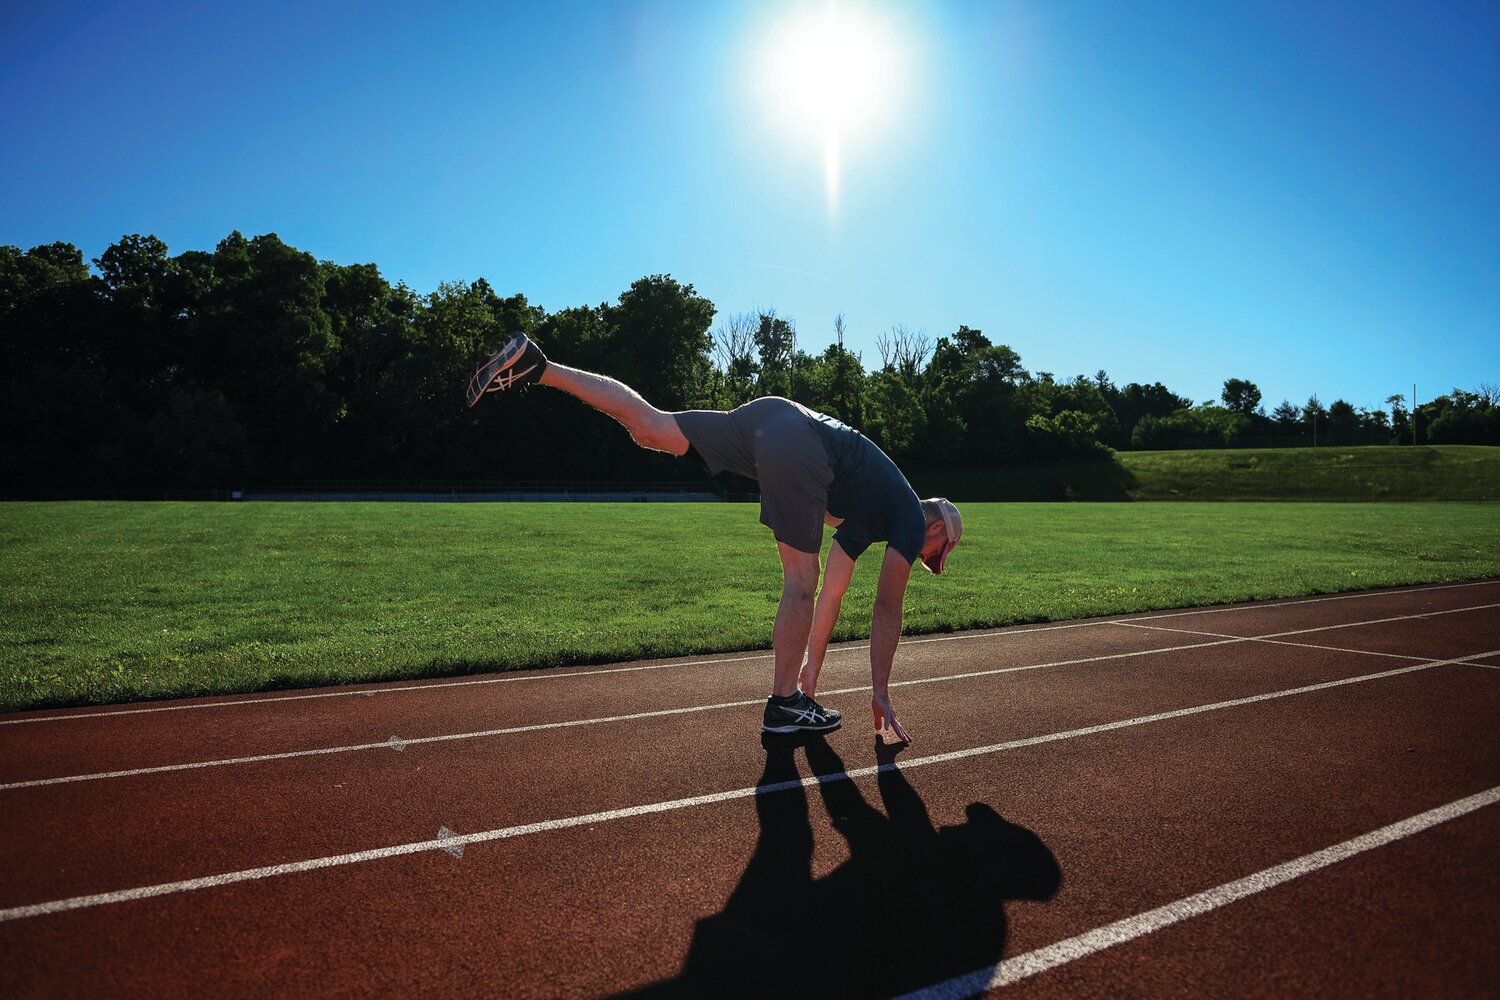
801 729
497 373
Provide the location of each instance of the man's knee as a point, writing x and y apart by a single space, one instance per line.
660 432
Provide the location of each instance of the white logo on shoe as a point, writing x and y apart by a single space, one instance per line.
505 379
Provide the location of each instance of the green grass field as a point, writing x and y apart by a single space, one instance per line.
1444 472
108 602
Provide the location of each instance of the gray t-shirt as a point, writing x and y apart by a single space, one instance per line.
808 463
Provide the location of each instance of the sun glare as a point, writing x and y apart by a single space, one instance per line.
830 72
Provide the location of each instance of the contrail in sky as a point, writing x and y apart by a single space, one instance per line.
792 270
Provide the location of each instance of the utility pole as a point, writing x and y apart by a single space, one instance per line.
1414 414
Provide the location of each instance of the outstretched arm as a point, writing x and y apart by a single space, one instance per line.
885 633
836 576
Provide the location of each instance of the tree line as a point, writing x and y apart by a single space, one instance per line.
256 363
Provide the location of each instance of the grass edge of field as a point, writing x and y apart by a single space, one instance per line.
435 670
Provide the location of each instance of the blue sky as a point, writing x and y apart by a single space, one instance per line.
1301 194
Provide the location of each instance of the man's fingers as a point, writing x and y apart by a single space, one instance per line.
886 726
893 730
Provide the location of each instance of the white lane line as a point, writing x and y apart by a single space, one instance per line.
632 717
1081 946
392 743
397 743
548 675
543 826
1279 642
540 675
1297 645
1136 623
1316 600
532 675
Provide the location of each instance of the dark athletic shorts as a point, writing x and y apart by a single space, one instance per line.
775 442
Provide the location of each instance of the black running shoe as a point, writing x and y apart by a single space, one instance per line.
800 716
517 362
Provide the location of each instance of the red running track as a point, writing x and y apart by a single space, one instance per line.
1294 797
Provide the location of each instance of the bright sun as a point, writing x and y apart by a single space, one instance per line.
830 72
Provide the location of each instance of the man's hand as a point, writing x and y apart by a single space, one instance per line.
885 720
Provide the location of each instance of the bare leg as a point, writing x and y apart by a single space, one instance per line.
794 616
789 637
650 427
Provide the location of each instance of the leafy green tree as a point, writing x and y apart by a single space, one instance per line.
1204 426
49 306
1461 417
1137 401
368 321
1058 414
970 392
893 413
776 350
1374 426
1067 432
141 345
1240 395
845 380
269 347
659 341
55 395
578 335
947 388
374 326
1315 418
197 441
1286 418
1400 419
1343 423
831 382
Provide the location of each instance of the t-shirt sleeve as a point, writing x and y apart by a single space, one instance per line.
909 533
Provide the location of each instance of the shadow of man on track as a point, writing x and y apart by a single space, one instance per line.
912 906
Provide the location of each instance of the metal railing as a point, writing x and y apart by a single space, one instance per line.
420 491
479 491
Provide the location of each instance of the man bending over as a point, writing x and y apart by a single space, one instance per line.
812 470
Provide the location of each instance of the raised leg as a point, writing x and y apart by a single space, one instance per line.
650 427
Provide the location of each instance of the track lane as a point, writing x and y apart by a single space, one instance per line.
202 822
598 939
1343 931
306 726
1134 817
45 717
263 727
1259 619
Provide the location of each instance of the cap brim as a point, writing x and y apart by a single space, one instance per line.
936 566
